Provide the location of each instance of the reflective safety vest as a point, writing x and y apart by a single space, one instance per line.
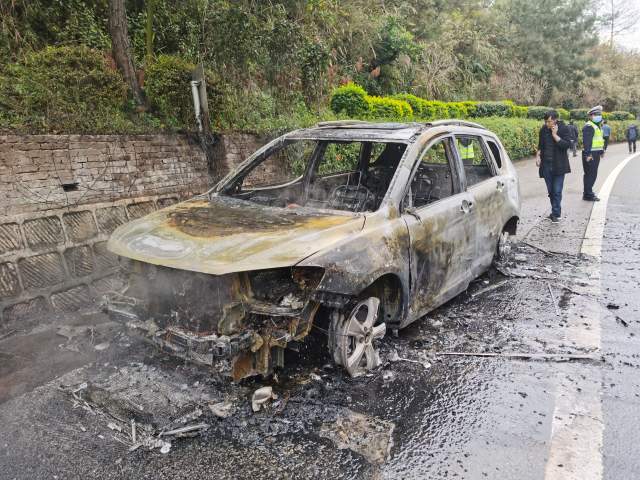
466 152
597 143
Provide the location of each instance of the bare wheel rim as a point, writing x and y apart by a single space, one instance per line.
355 338
504 245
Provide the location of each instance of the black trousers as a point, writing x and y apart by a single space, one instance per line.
632 142
606 143
590 173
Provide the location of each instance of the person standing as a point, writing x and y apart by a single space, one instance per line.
592 151
573 130
631 135
554 139
606 133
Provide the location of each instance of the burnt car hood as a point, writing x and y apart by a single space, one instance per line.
225 235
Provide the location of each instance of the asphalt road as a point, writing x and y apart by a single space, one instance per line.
554 395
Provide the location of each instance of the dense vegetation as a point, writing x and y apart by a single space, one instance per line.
275 64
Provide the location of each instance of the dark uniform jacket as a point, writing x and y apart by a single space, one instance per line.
554 154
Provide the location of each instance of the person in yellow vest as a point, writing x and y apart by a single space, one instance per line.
465 147
592 152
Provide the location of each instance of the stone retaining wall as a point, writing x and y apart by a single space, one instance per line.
61 196
60 199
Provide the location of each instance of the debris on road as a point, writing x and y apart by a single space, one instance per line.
260 397
489 288
622 321
556 357
553 299
368 436
540 249
394 357
102 346
222 409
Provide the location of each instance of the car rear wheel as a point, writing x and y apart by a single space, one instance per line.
352 337
503 249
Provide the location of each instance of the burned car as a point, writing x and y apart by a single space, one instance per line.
350 227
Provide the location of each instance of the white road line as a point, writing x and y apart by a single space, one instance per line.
578 428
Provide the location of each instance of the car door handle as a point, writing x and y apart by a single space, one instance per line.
466 206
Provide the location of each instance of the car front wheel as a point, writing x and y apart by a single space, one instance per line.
352 337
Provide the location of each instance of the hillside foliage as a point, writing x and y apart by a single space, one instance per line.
275 64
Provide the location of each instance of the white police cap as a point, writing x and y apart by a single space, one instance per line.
596 109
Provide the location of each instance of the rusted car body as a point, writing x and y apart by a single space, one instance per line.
356 227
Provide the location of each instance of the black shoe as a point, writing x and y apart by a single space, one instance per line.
591 199
554 219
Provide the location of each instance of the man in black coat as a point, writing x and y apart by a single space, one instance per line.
552 160
573 130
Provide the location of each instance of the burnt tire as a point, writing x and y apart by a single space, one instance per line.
352 337
503 248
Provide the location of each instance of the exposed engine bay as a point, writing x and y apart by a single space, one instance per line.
245 319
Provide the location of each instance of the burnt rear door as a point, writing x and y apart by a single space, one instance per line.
439 215
486 184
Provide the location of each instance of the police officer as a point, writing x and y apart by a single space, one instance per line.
592 152
465 147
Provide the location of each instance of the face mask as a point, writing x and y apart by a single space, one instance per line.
597 118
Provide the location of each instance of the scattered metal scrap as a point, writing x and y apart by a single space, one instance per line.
554 357
553 300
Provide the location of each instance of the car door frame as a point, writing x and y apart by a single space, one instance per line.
422 221
488 200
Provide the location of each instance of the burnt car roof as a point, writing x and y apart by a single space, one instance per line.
362 130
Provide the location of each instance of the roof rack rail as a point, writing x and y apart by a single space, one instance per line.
460 123
340 123
368 125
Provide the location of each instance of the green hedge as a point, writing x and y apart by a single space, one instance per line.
385 107
619 115
350 99
493 109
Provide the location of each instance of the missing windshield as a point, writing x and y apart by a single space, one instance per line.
351 176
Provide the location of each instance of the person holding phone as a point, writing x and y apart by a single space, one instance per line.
552 160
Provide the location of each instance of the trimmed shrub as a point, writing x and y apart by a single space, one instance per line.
60 90
520 111
350 99
620 115
470 108
578 114
493 109
537 113
563 113
384 107
417 103
457 110
518 135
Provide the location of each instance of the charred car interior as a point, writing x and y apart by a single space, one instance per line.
340 175
351 227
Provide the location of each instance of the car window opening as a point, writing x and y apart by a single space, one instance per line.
474 159
351 176
496 152
433 179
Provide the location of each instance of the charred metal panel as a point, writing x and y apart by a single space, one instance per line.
225 235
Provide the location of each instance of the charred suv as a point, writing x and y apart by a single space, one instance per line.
352 227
